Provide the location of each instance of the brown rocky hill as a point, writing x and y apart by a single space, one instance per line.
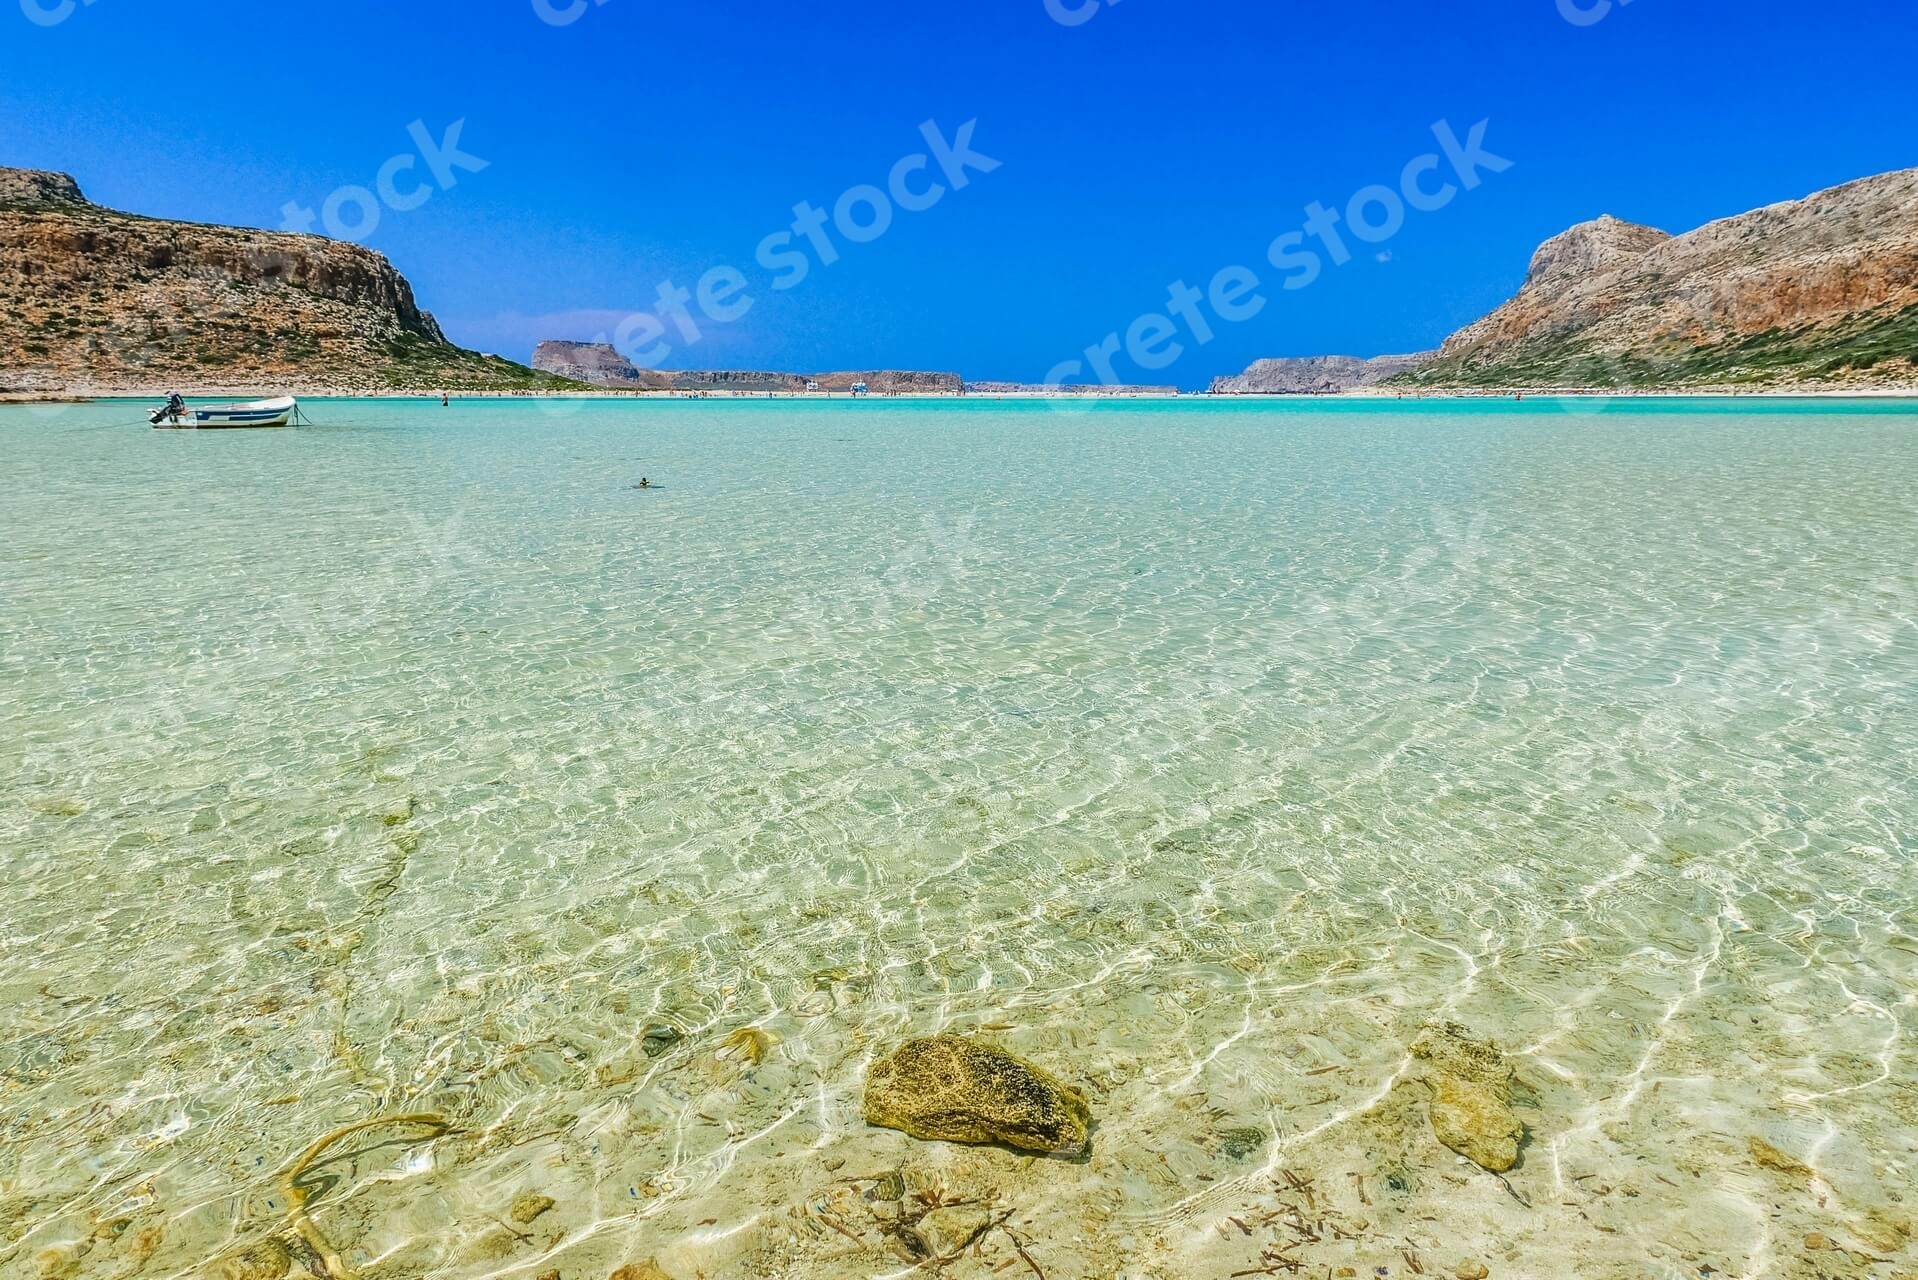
94 300
601 365
597 364
1815 292
1315 375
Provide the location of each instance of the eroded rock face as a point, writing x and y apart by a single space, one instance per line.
93 299
951 1089
38 187
597 364
1471 1097
1606 244
1315 375
1816 287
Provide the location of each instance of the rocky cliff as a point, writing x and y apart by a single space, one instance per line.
1815 292
599 364
92 299
1315 375
904 381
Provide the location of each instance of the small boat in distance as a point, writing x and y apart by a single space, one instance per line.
175 415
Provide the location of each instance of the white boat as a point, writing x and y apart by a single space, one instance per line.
253 413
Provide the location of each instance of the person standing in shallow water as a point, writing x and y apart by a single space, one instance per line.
444 399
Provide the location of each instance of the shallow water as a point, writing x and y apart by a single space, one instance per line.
415 762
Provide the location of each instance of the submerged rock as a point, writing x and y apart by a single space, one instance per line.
950 1089
647 1270
1766 1156
1471 1103
62 1262
1238 1143
530 1206
267 1260
658 1038
1451 1050
1475 1120
57 807
944 1233
748 1044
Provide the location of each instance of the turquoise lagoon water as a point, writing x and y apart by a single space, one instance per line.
415 763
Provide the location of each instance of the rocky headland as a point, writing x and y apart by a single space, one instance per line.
1315 375
599 364
1819 293
95 300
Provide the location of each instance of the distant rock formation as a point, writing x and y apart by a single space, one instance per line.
879 381
597 364
1315 375
92 300
1065 389
902 381
1819 291
34 188
600 365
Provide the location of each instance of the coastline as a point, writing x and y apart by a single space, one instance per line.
1358 394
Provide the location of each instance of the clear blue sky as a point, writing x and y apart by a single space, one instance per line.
1158 140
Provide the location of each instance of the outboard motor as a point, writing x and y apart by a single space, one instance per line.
174 408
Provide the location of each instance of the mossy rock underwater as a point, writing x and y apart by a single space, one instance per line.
951 1089
1470 1084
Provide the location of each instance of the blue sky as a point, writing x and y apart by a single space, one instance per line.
1157 140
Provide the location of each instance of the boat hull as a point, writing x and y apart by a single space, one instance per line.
232 417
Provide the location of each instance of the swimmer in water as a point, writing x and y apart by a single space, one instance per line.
644 483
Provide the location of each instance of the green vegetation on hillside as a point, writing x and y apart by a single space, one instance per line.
1858 348
421 364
